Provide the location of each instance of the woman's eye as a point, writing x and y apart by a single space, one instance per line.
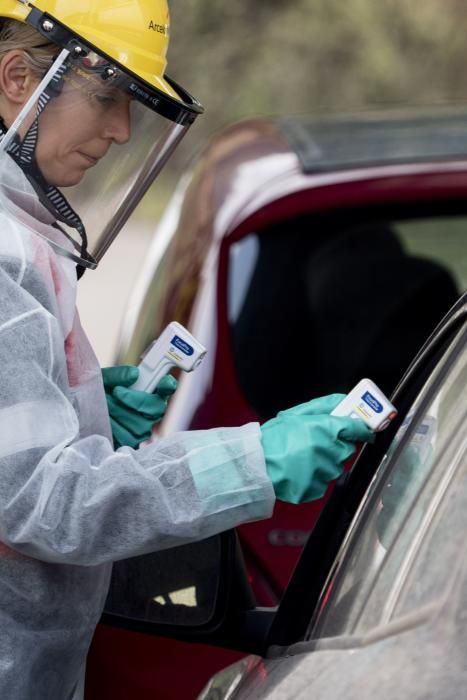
105 101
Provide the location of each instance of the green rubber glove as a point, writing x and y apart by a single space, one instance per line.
305 448
133 414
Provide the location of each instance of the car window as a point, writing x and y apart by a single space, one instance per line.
442 239
307 288
396 557
242 262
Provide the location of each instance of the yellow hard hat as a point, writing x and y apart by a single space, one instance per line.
110 60
133 33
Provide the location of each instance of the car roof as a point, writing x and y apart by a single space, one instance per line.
255 162
376 138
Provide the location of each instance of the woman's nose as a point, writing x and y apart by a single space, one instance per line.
117 124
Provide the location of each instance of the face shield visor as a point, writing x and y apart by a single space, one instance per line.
89 143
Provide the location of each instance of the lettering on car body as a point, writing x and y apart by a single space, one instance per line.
288 538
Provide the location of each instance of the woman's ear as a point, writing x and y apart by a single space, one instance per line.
16 79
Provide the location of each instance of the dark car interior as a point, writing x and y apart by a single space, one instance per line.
334 300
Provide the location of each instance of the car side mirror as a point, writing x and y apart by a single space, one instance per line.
186 589
197 592
177 586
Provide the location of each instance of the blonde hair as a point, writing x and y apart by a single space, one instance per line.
38 51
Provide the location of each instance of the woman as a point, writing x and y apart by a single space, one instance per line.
82 108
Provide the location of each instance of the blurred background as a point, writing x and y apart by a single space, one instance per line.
314 56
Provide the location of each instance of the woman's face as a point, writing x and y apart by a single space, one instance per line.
77 128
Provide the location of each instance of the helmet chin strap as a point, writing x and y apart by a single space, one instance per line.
24 154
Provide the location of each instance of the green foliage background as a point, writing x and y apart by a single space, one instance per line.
247 57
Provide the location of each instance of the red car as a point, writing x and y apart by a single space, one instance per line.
304 255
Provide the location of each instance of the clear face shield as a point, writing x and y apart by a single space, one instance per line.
89 143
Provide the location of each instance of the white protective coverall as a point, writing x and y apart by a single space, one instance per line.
69 504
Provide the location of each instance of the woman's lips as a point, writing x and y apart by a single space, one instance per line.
92 160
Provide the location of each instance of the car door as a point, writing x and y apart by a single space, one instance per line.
389 618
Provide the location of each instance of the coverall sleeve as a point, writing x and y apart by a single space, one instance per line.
71 499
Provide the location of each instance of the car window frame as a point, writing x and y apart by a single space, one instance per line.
323 550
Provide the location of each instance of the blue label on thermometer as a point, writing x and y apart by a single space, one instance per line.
373 403
182 345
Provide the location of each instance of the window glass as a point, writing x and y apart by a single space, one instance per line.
306 288
398 531
441 544
442 239
243 258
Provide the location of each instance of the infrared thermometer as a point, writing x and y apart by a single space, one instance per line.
367 402
175 347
